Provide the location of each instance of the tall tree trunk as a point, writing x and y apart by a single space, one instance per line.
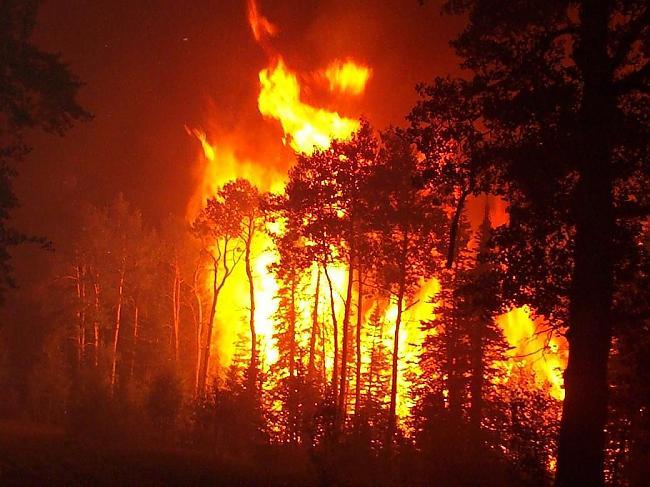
482 319
377 336
584 414
323 358
96 290
136 336
205 362
346 339
81 315
252 369
116 331
335 369
454 384
477 380
292 330
176 303
199 331
392 417
357 392
83 320
453 230
311 368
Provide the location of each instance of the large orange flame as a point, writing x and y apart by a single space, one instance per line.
307 127
536 347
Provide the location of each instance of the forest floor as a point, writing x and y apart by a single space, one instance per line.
33 454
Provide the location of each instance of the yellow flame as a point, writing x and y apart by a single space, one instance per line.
544 354
221 163
306 127
347 77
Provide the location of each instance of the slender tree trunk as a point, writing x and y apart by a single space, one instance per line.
335 369
392 416
479 329
83 320
96 289
477 380
252 370
116 332
453 230
584 414
292 330
454 386
203 374
199 331
81 316
452 340
311 369
451 332
346 340
357 392
323 336
176 303
136 335
373 359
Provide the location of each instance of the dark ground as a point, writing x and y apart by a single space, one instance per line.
31 454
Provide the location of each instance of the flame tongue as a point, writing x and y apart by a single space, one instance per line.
545 355
306 127
347 77
260 25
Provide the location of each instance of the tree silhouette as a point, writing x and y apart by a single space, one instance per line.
37 91
246 200
218 225
446 128
562 88
324 191
408 229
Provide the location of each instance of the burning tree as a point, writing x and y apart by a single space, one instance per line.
324 193
446 129
407 229
559 84
245 200
292 389
219 226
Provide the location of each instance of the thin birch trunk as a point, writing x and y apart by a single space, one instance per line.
335 329
346 340
199 330
136 332
314 329
118 323
357 392
392 424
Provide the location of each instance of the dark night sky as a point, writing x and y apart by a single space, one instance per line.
149 67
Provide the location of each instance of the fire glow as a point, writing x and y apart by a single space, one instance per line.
306 128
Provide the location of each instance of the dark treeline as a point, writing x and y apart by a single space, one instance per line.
122 340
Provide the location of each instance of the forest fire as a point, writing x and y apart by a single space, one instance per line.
390 247
543 351
307 129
